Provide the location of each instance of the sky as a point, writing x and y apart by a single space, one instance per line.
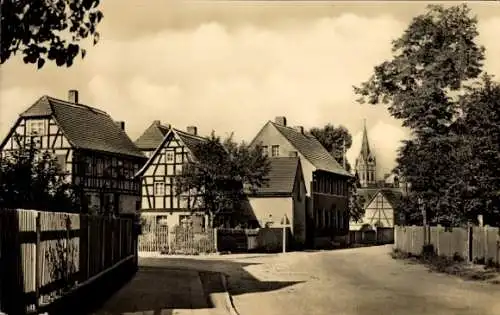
232 66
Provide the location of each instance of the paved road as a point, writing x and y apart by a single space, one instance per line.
363 281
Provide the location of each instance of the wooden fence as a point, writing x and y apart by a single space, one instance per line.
44 255
477 244
176 240
378 236
158 239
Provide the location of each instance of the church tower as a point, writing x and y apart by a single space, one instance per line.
366 163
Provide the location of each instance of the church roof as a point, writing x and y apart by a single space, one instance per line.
365 145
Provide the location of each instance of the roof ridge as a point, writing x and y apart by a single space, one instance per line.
99 111
189 134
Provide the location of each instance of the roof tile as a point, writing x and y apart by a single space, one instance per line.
85 127
312 150
281 177
152 137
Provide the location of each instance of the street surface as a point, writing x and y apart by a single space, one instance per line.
361 281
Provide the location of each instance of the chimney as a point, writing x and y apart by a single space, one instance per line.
192 130
156 122
73 96
120 124
280 120
299 129
292 154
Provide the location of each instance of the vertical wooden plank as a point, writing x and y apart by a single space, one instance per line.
37 261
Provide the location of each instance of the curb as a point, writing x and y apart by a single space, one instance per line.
229 299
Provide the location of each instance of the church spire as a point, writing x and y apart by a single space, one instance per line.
366 164
365 146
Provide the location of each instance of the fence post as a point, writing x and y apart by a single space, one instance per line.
485 229
120 220
103 247
37 260
470 242
89 246
215 240
68 228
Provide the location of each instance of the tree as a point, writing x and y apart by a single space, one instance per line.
432 61
332 138
31 179
479 131
52 30
336 141
356 201
219 174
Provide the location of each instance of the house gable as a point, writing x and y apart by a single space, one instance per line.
158 174
379 211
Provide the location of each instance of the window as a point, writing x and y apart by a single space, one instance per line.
36 128
159 189
170 156
100 167
275 150
265 150
87 166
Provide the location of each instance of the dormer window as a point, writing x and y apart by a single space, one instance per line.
36 128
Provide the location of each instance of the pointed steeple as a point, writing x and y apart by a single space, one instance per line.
365 146
366 163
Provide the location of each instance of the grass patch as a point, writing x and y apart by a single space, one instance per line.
455 265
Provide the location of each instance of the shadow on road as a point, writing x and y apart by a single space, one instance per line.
239 280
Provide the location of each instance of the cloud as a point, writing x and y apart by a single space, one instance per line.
217 77
10 98
235 78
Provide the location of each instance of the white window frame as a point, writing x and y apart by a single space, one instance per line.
36 128
273 152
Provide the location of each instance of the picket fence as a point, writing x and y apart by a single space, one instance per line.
177 240
475 244
44 255
159 239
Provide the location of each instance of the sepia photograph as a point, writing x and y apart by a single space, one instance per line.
185 157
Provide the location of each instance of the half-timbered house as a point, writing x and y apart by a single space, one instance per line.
326 180
99 157
380 210
160 204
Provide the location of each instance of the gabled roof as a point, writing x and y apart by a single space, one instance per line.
189 140
85 127
368 194
152 137
311 149
392 195
281 178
